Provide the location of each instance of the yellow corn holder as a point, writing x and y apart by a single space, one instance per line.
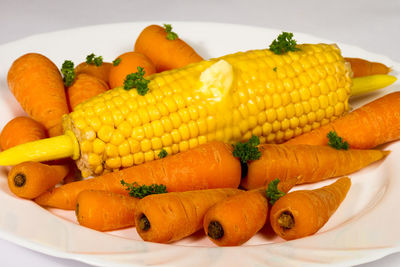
275 97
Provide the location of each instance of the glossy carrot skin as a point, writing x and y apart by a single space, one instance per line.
302 213
101 72
362 67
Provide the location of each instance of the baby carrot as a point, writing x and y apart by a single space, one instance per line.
21 130
302 213
210 165
164 48
362 67
30 179
128 63
165 218
101 72
308 163
38 86
105 211
373 124
247 214
84 87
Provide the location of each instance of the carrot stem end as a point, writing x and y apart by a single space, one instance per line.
215 230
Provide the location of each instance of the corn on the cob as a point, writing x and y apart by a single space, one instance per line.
230 99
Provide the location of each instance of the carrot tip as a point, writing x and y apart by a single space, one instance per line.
215 230
286 220
19 180
144 223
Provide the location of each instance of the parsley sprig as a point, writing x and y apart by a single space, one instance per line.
136 80
93 60
170 34
248 150
116 61
68 72
283 43
163 153
272 192
143 190
336 141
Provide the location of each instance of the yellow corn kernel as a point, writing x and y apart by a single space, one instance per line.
156 143
127 161
98 146
138 158
113 163
125 128
86 146
145 145
99 170
134 145
124 148
138 133
94 159
105 133
166 123
117 137
111 150
149 156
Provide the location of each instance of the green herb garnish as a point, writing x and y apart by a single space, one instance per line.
248 150
93 60
170 34
116 62
163 153
275 69
272 192
136 80
284 43
144 190
68 72
336 141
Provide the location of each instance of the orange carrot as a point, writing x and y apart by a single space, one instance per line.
308 163
302 213
362 67
30 179
84 87
21 130
128 63
101 72
165 218
164 53
247 214
105 211
373 124
210 165
38 86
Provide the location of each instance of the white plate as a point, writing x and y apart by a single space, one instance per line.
364 228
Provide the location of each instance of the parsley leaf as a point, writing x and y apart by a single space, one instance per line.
336 141
170 34
284 43
248 150
144 190
116 61
136 80
93 60
272 192
68 72
163 153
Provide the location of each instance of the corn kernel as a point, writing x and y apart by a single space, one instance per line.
294 122
127 161
88 134
311 117
276 126
202 125
166 123
202 139
105 133
271 115
184 132
257 131
143 115
138 133
154 113
166 139
280 113
113 163
134 145
106 119
148 130
94 159
117 137
268 101
162 109
303 120
156 143
285 124
125 128
339 109
175 148
176 137
124 148
80 123
138 158
98 146
98 170
175 119
295 96
86 146
95 123
183 146
193 142
145 145
149 156
111 150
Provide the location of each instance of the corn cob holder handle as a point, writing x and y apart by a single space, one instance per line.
231 98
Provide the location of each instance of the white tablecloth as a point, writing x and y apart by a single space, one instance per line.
370 24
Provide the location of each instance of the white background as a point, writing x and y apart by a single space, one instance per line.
372 25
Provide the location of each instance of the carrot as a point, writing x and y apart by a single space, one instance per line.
247 214
169 217
101 72
21 130
128 63
84 87
210 165
302 213
105 211
308 163
373 124
30 179
362 67
165 53
38 86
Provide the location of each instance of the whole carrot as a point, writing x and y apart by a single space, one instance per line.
234 220
38 86
362 67
84 87
210 165
105 211
21 130
30 179
302 213
373 124
164 48
308 163
101 72
165 218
